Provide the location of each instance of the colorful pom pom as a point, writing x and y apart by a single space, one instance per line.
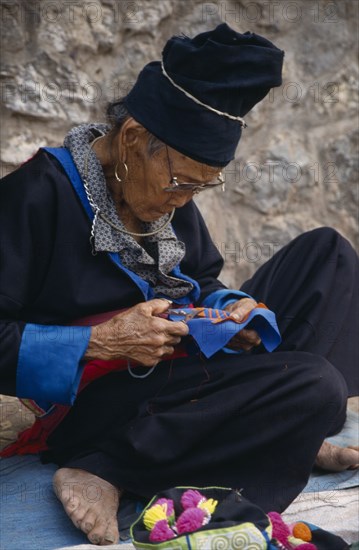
156 513
306 546
161 532
281 531
190 520
208 506
191 498
169 505
302 531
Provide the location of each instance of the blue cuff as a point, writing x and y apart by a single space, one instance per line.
221 298
49 369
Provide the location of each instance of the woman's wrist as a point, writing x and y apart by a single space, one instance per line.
90 352
99 346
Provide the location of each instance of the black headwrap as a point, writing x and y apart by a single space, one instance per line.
222 70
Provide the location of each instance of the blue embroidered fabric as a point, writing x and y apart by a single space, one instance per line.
212 329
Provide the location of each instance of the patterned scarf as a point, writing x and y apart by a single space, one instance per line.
159 254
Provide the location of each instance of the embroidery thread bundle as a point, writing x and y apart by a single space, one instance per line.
160 518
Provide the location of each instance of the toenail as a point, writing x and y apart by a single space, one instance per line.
95 539
88 527
110 538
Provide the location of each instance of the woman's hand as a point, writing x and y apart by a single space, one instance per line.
137 334
244 339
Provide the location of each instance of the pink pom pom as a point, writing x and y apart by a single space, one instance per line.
161 532
306 546
191 498
281 531
169 502
190 520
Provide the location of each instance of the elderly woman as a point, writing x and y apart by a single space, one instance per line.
101 241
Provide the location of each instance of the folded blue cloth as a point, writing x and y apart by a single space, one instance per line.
212 329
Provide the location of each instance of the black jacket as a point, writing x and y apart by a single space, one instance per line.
48 274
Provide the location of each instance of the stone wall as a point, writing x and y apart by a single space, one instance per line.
296 165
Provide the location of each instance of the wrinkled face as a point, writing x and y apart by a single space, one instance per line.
145 189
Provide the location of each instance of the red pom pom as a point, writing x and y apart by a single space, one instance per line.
161 532
190 520
281 531
191 498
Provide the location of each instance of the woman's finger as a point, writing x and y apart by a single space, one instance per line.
241 308
245 339
250 336
174 340
166 350
177 328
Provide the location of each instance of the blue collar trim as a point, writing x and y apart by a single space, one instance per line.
63 155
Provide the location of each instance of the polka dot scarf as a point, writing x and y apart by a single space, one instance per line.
160 253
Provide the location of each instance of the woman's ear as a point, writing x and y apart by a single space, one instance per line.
132 134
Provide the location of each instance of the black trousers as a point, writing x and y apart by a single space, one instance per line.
252 421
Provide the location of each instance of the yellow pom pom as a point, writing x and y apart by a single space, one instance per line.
208 505
302 531
154 514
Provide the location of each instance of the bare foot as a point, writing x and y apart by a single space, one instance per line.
90 502
336 459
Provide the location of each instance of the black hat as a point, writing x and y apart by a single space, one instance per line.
194 99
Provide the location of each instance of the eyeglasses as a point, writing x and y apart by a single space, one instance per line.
194 187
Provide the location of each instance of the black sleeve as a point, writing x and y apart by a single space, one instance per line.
26 208
202 260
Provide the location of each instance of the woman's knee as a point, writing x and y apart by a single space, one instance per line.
330 382
324 234
327 238
327 391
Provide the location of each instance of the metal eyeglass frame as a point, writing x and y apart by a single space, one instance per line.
194 187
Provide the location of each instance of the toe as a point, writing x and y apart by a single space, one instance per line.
97 534
78 515
111 534
71 505
110 539
94 538
88 522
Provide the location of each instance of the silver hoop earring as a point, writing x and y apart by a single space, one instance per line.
126 171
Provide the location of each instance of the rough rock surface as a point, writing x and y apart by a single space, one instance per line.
296 165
